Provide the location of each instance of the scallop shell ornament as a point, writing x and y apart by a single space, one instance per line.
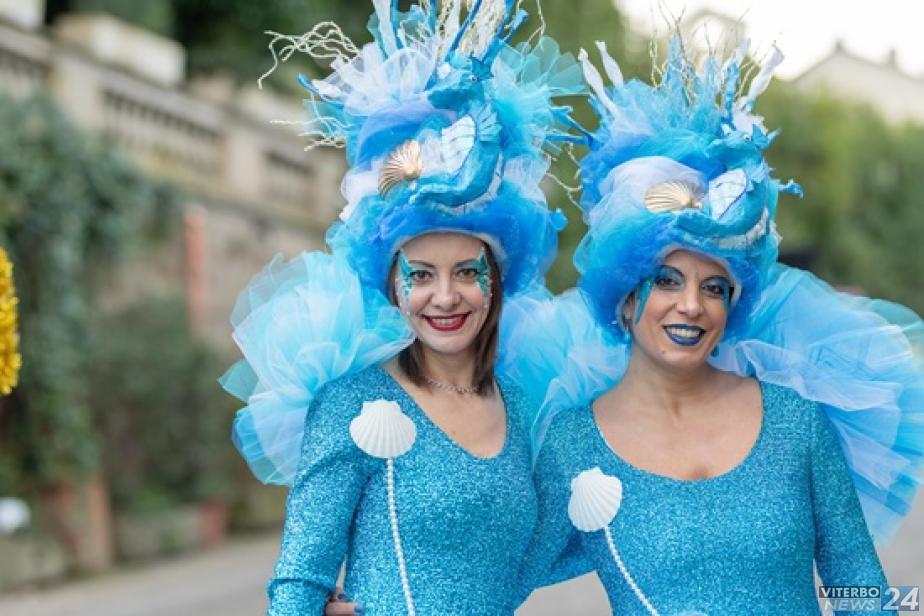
402 165
382 430
595 500
673 196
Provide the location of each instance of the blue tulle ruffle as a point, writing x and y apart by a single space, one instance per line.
863 361
555 349
300 325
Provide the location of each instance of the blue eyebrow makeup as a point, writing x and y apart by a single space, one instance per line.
668 273
665 273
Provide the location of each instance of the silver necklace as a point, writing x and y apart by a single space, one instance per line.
468 391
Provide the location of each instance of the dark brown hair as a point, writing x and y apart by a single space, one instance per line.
411 358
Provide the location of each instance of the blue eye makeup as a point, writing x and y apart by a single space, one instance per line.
668 278
671 279
719 286
643 292
482 272
406 273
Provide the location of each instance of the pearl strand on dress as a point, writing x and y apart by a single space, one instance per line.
625 574
393 517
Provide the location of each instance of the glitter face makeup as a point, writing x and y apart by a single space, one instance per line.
405 277
482 274
443 286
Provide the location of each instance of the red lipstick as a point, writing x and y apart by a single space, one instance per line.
447 324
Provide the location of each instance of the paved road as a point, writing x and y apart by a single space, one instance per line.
230 581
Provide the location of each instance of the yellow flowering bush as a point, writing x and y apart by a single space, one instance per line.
10 360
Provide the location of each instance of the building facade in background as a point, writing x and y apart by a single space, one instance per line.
895 95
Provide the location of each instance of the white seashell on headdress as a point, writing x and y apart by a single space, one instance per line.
595 500
673 196
382 430
402 165
724 191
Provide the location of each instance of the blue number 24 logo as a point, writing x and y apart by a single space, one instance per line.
904 598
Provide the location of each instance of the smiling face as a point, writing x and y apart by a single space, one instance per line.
678 316
442 283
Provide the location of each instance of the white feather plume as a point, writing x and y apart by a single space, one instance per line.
613 72
595 81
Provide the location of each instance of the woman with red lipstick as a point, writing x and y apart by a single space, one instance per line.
369 373
716 423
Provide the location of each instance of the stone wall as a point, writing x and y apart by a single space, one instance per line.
252 190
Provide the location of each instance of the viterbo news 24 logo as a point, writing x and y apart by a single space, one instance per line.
870 598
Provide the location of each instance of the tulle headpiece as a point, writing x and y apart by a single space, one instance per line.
445 126
677 164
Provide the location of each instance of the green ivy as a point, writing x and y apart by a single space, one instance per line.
163 419
69 206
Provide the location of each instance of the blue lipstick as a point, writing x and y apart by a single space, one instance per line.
685 335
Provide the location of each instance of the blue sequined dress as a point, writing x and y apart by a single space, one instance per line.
465 522
740 543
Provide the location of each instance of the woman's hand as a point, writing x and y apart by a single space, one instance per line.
338 604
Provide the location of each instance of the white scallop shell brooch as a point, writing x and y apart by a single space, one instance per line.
595 500
594 503
383 431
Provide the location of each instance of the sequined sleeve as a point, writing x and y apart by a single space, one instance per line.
320 507
844 551
555 553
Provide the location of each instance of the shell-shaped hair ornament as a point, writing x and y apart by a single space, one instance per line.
402 165
382 430
673 196
595 500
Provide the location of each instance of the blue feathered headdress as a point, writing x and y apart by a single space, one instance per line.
677 164
446 127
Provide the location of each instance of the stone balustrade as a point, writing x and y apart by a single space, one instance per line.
253 189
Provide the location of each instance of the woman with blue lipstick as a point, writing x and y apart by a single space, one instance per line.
716 425
369 373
